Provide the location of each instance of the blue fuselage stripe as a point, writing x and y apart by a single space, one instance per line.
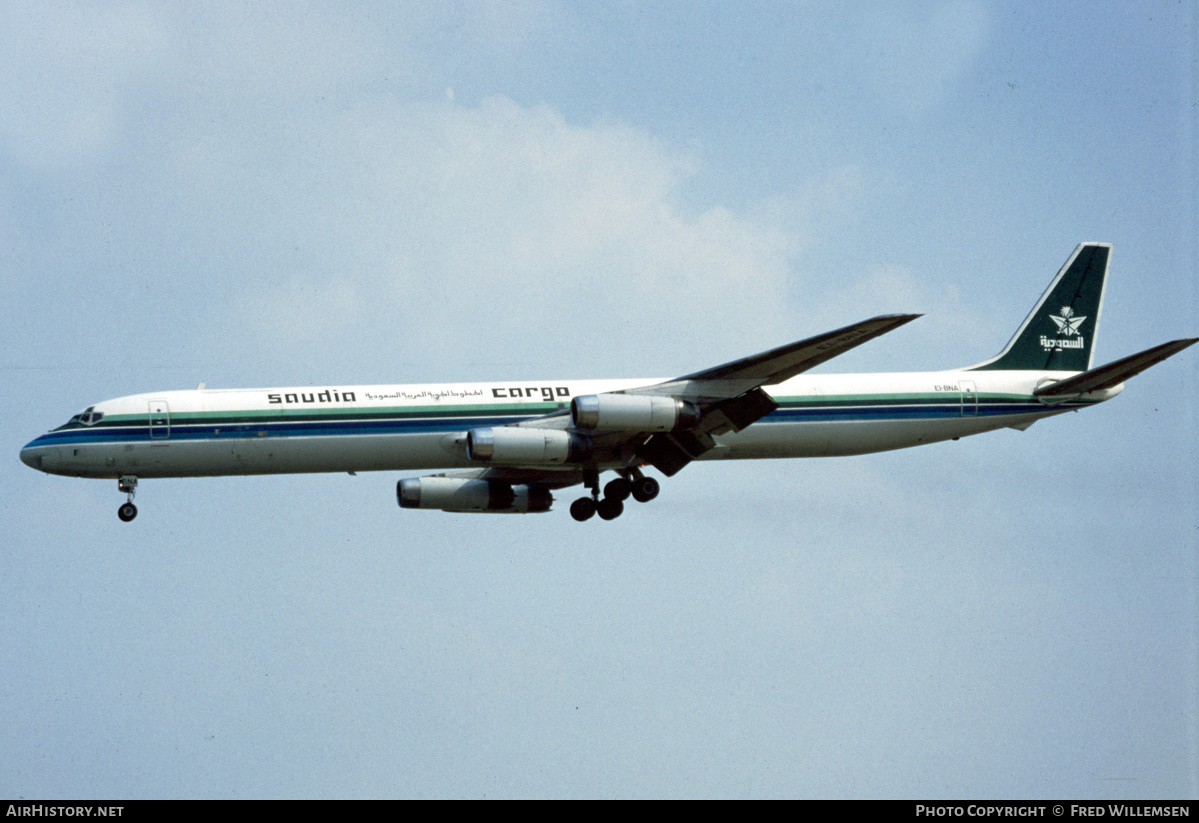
793 413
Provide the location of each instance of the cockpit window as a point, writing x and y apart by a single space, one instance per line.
87 417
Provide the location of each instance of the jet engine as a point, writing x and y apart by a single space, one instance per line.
633 413
510 444
453 494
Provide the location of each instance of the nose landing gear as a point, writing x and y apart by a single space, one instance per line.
127 511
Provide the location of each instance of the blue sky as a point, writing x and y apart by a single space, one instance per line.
304 194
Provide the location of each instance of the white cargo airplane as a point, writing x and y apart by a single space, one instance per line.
511 444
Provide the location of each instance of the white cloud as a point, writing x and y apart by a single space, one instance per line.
504 228
312 206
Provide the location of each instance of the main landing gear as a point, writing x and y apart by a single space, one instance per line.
630 483
127 511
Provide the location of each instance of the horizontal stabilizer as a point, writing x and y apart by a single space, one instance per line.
1113 374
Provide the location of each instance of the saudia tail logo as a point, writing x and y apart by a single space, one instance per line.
1068 329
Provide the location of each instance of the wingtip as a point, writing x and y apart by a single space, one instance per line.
1178 345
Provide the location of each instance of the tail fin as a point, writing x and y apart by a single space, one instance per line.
1059 334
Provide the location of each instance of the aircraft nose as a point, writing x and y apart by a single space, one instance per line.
32 457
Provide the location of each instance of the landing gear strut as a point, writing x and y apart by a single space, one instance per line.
127 511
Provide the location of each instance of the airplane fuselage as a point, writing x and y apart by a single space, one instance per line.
504 447
420 427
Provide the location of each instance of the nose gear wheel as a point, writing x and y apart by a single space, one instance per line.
127 483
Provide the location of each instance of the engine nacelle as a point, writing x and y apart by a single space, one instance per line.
453 494
510 444
633 413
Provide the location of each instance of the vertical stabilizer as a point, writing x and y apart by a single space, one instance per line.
1059 334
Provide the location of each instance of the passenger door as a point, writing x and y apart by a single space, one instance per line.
160 420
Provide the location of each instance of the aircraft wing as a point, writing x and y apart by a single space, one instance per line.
718 400
730 397
785 362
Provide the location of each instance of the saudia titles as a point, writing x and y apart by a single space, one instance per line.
1067 325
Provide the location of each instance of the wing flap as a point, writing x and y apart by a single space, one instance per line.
668 452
